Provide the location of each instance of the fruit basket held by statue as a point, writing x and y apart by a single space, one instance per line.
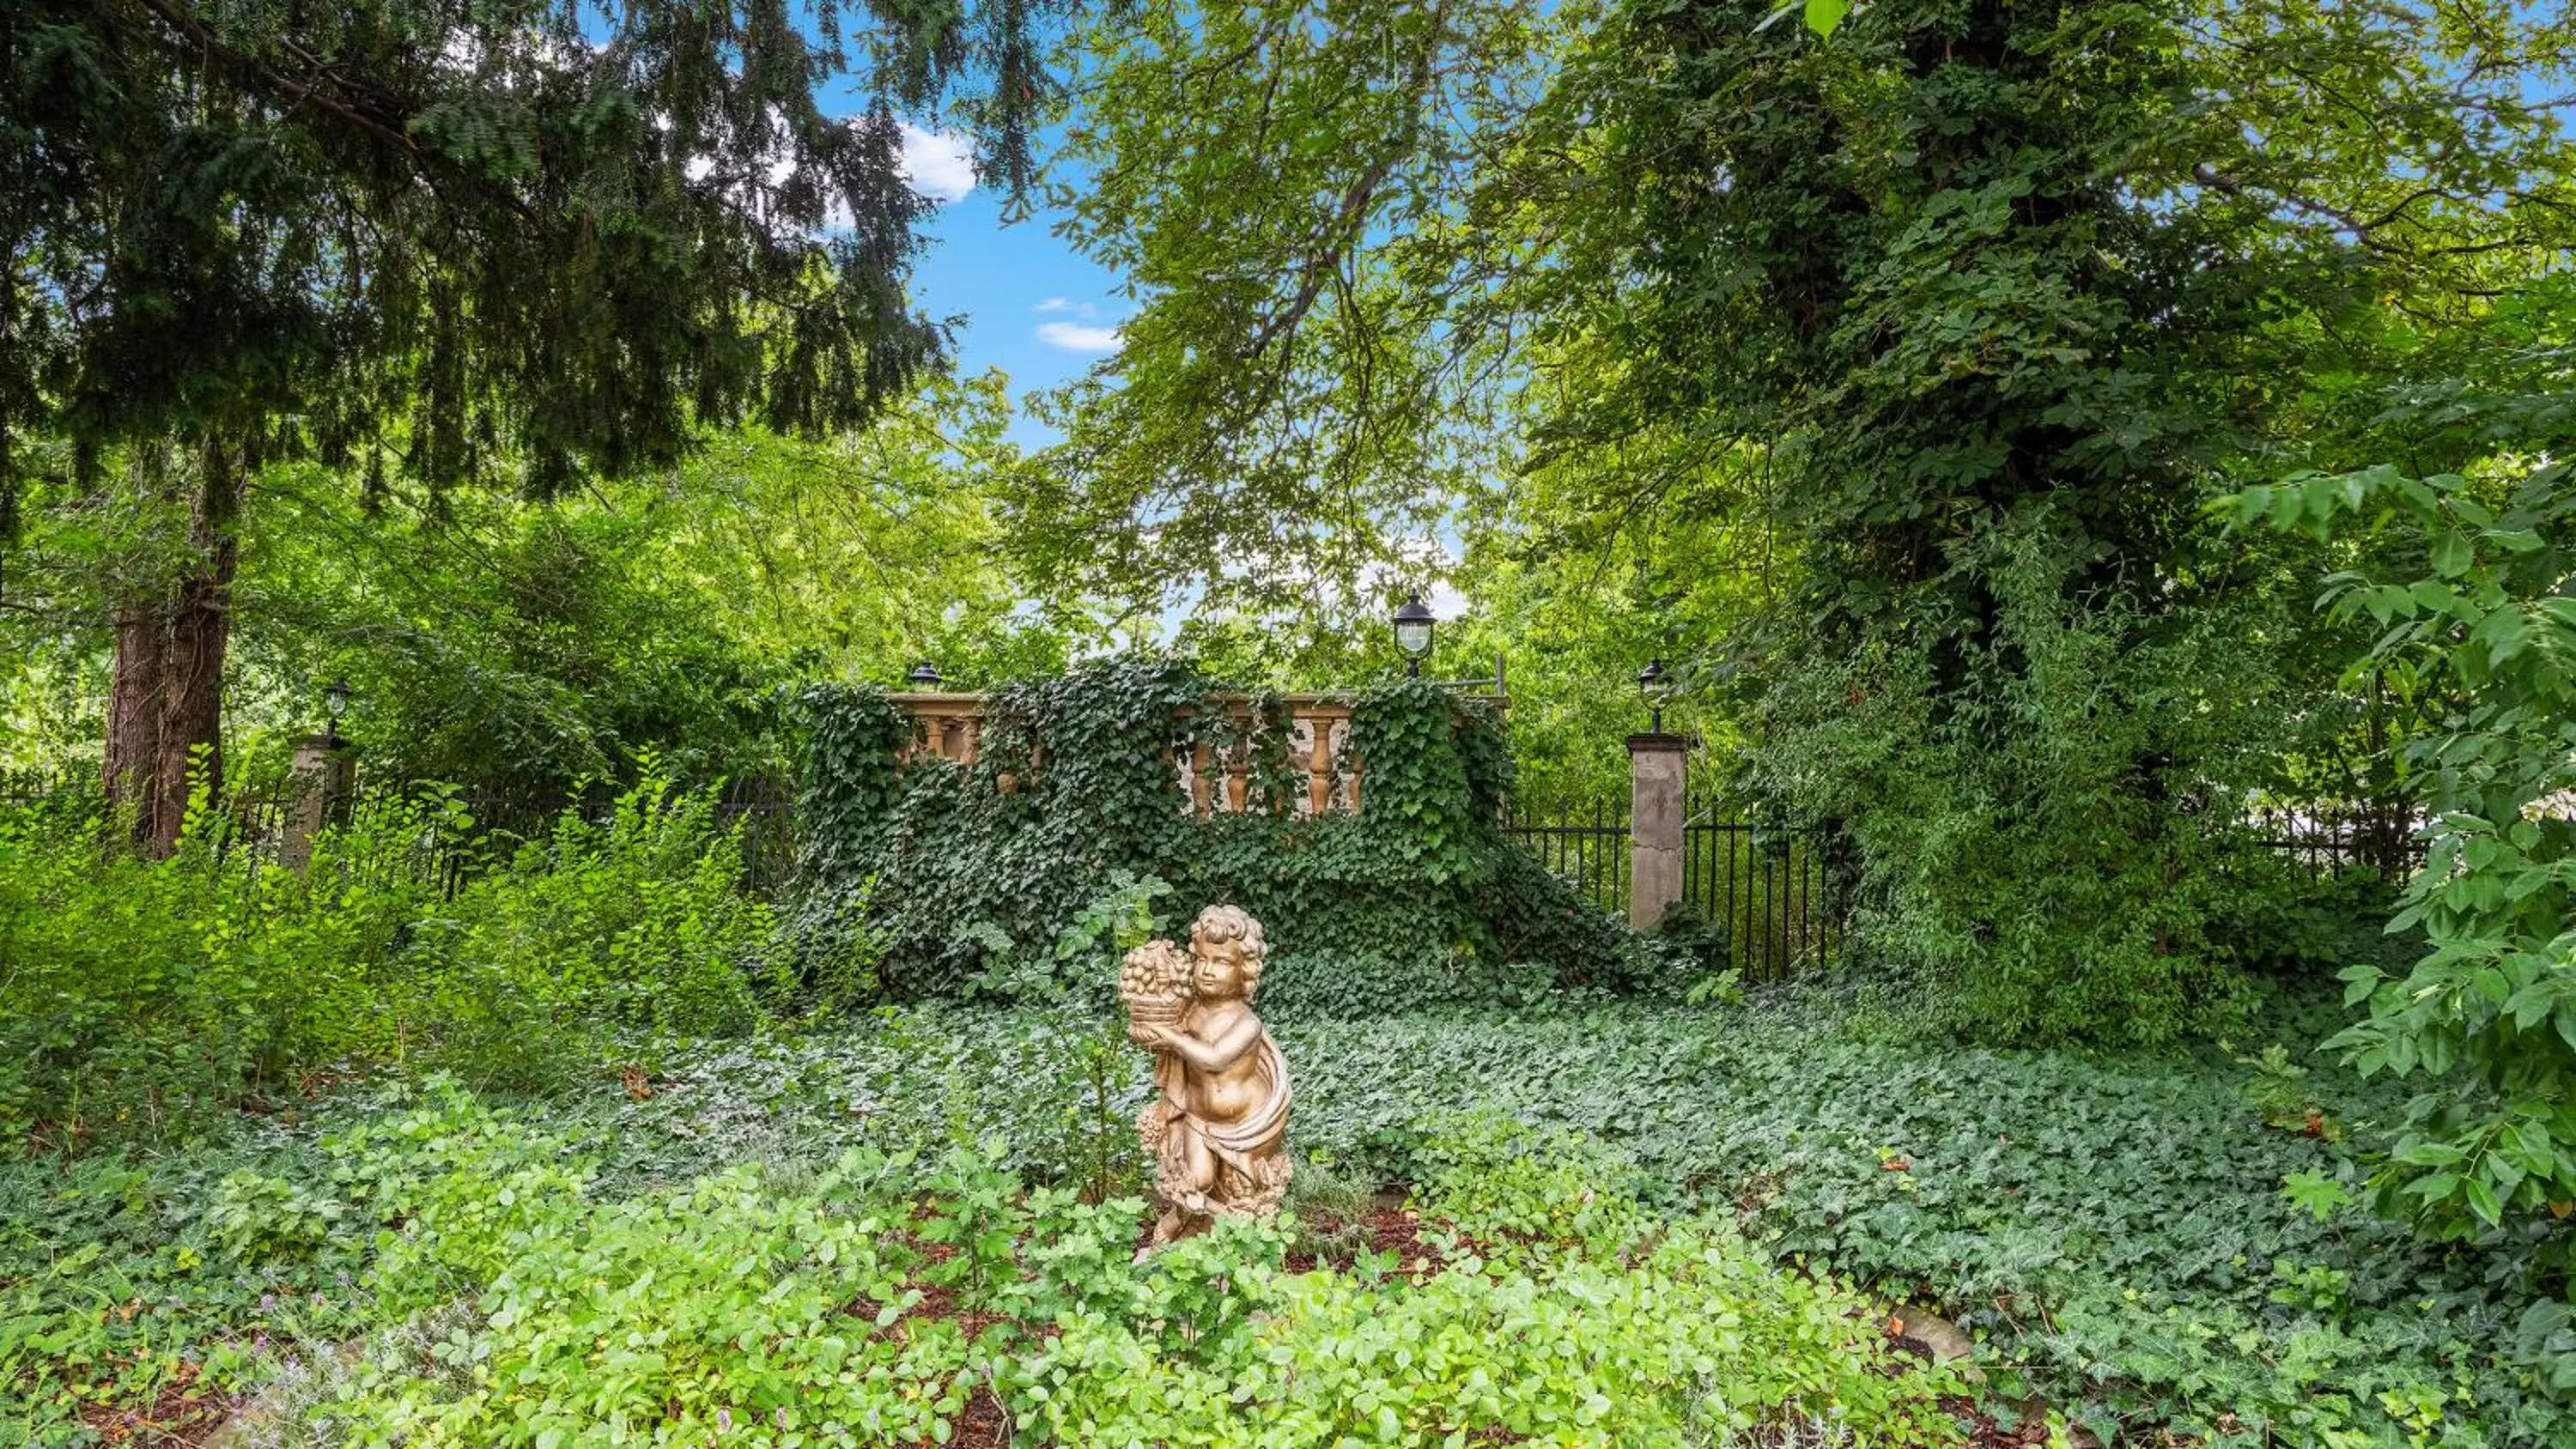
1154 981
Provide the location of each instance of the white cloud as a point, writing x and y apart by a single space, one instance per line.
1058 304
1078 337
937 164
1423 558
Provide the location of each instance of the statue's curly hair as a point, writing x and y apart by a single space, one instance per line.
1234 923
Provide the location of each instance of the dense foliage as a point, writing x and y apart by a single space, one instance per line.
1882 374
889 1295
145 999
969 872
2468 583
1914 378
514 649
2147 1241
516 243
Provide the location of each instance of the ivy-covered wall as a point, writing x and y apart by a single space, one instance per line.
957 879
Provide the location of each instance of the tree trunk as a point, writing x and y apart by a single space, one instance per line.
134 713
165 700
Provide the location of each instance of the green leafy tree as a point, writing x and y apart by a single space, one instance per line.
514 648
2467 583
1959 308
1285 186
521 242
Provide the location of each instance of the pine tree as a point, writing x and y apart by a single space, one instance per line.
444 242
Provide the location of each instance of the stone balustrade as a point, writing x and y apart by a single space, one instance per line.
1319 750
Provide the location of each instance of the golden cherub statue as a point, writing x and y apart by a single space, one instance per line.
1218 1126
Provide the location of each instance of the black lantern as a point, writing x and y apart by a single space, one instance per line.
1413 626
924 675
1657 685
335 703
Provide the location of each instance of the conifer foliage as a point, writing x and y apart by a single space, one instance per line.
444 242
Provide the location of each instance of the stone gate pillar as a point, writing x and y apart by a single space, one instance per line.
1654 825
324 773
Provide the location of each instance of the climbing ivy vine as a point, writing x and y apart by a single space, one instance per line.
847 789
1079 783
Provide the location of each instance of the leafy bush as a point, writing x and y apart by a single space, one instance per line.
637 922
139 997
1503 1185
881 1302
2478 615
2035 818
2132 1234
1692 1339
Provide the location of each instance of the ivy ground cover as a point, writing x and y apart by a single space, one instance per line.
1647 1210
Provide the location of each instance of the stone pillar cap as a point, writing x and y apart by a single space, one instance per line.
1640 744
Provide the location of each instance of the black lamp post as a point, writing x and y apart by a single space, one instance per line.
924 675
1413 626
335 703
1657 685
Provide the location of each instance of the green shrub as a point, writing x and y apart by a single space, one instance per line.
2029 815
1504 1185
878 1304
139 998
138 995
636 923
2478 614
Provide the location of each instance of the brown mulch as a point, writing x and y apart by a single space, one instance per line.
936 1303
178 1414
1985 1433
1389 1230
984 1425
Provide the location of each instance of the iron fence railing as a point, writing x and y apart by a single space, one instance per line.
30 787
2328 839
1587 849
1768 889
1764 889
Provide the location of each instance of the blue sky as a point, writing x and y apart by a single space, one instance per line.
1031 306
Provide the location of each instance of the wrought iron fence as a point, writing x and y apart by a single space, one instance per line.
1768 888
1764 888
2331 838
253 818
1587 849
31 787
